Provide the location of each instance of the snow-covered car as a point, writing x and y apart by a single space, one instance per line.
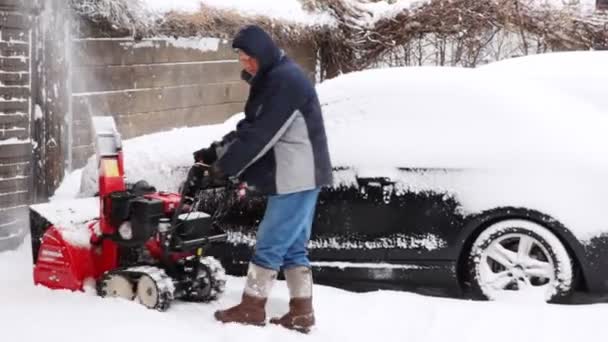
444 178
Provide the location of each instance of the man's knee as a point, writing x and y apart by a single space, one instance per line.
298 257
269 257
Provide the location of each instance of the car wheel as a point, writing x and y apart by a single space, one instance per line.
521 259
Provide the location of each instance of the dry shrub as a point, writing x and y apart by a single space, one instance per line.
457 32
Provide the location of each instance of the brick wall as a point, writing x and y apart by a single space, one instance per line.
156 84
15 146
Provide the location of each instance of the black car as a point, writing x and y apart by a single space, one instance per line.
484 208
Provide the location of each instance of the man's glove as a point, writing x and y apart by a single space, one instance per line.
205 155
202 176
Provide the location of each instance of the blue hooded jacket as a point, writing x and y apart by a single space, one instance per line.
281 146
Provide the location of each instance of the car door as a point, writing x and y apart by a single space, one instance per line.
345 226
383 219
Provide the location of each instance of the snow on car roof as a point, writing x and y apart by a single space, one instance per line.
457 118
583 74
579 63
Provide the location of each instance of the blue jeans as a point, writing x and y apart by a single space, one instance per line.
284 232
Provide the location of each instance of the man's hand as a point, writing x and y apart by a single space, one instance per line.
202 176
205 155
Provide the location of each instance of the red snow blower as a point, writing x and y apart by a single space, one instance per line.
142 245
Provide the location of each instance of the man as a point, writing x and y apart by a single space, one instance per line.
280 149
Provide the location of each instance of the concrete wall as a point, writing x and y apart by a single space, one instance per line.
156 84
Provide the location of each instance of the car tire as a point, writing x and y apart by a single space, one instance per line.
520 259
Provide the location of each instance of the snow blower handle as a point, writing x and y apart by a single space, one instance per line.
200 177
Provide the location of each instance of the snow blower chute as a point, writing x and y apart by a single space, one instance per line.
131 241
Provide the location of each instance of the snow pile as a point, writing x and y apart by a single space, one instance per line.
163 159
69 187
579 73
388 316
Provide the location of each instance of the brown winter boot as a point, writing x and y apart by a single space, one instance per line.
301 315
252 309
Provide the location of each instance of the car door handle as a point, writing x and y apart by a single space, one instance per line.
378 182
384 187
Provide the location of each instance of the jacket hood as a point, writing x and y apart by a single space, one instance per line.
255 42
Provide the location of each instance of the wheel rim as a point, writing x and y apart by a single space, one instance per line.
516 262
147 292
118 286
202 283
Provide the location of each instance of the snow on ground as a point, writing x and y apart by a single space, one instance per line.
30 313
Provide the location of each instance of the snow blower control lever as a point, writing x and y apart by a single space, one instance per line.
146 245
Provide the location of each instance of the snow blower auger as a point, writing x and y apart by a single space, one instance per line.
144 245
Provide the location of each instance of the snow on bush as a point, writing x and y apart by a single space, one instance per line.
287 10
487 141
124 14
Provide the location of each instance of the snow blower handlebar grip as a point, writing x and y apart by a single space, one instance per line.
201 177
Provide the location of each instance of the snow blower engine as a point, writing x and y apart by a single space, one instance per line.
146 246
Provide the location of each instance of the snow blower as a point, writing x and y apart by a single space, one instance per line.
131 241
